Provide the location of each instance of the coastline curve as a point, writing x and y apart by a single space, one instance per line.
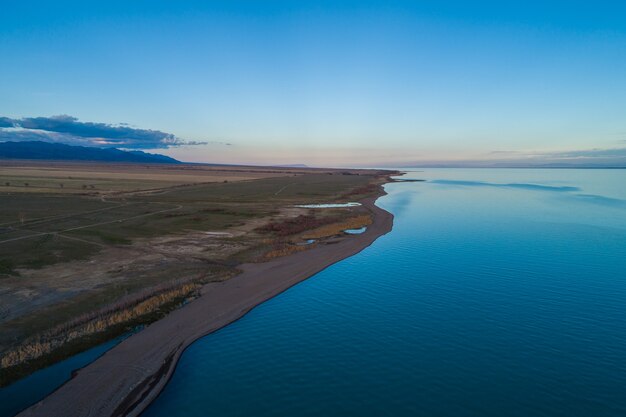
125 380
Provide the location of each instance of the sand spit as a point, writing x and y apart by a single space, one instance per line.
125 380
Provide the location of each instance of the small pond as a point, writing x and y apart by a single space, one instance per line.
328 205
355 231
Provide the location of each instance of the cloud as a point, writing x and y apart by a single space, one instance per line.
578 157
70 130
590 158
193 142
503 152
589 154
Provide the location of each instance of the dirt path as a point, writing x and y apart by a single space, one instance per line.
282 189
177 207
63 216
126 379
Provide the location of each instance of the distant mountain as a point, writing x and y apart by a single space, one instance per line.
61 152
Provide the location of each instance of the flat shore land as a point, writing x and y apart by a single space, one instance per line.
125 380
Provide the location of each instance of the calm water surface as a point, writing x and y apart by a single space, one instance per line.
498 293
26 392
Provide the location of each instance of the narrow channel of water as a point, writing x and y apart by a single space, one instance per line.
35 387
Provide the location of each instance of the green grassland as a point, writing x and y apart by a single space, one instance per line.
36 228
64 254
69 185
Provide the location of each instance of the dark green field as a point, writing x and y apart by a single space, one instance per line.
63 255
40 229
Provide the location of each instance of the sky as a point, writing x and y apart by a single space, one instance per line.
323 83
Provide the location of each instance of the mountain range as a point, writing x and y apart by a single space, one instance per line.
61 152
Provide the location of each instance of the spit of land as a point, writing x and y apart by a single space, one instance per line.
89 251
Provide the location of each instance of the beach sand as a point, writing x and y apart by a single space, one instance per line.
125 380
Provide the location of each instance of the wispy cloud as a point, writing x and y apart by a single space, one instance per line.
70 130
570 154
503 153
588 154
593 158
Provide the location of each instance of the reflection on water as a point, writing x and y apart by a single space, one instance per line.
592 198
35 387
482 301
537 187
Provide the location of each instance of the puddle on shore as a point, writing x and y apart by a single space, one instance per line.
306 242
328 205
356 231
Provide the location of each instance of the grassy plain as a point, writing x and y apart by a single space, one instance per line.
117 232
68 177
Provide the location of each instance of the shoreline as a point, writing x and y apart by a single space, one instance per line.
126 379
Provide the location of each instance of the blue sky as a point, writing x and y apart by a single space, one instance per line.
326 83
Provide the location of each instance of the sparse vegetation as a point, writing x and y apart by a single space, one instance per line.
296 225
365 190
123 311
283 249
337 228
7 267
136 237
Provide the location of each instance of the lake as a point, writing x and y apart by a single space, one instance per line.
29 390
499 292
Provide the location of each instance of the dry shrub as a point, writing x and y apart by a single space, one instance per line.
337 228
366 189
284 251
296 225
123 311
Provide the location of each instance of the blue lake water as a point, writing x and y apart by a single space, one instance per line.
498 293
35 387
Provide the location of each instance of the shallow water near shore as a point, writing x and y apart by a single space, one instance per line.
498 293
27 391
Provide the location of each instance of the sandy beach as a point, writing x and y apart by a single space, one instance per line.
125 380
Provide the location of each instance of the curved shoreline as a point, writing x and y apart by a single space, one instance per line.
126 379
